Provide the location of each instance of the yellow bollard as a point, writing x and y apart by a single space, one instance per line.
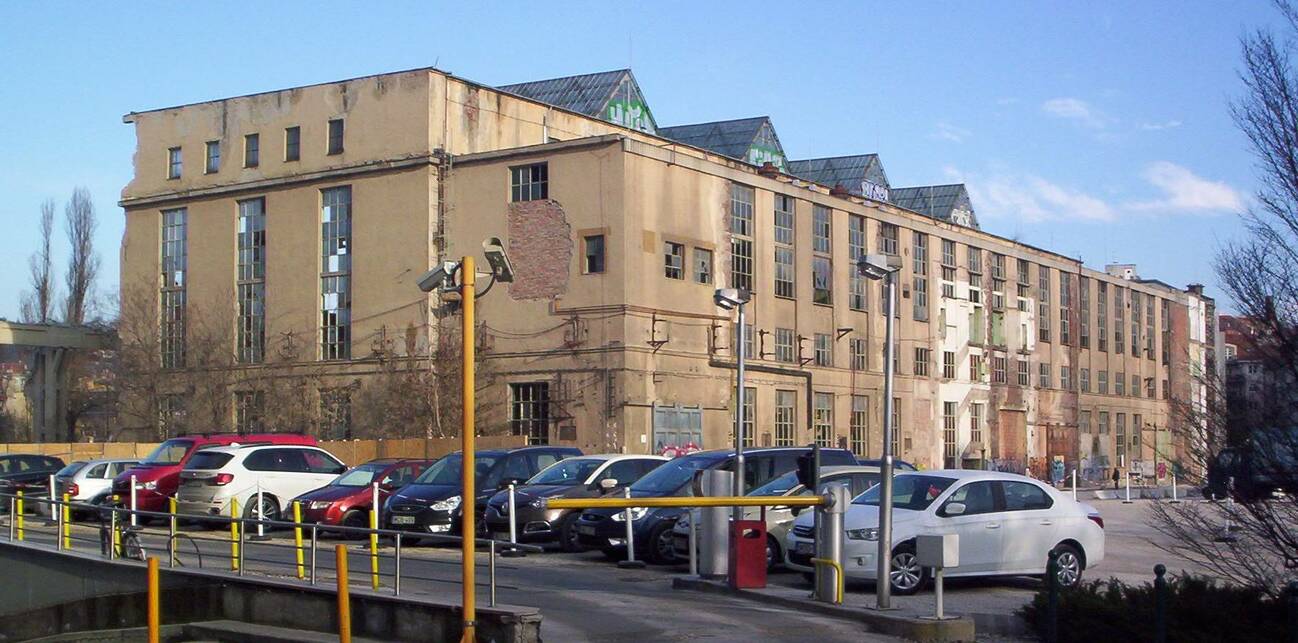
374 549
297 538
154 611
234 535
117 532
344 596
67 523
19 517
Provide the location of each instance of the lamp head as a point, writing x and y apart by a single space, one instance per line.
731 298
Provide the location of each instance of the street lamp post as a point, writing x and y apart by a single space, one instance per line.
881 267
736 298
442 279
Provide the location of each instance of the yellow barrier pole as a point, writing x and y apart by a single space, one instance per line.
344 595
297 538
19 517
374 549
67 523
468 460
234 535
153 610
116 535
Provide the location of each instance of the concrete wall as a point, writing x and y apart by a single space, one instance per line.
48 593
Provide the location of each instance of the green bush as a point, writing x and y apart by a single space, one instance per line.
1198 611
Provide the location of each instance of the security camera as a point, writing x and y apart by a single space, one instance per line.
729 298
500 267
439 278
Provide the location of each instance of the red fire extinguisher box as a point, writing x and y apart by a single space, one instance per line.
748 554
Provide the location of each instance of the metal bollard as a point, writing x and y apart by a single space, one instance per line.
57 511
297 538
234 535
12 519
694 531
630 562
396 566
1052 597
314 542
243 532
171 531
111 540
1127 501
154 609
261 516
374 548
67 523
829 543
1074 484
53 504
491 570
1174 498
344 595
513 512
1160 604
134 507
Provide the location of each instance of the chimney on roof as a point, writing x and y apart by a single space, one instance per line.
1195 289
768 170
839 190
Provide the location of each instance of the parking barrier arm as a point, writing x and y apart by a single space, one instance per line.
686 501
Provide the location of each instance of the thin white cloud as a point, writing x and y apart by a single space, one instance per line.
1186 192
1033 199
945 131
1078 111
1155 127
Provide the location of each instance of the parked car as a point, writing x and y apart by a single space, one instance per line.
1007 524
158 475
89 481
856 478
347 499
432 503
214 477
897 465
605 529
586 476
29 474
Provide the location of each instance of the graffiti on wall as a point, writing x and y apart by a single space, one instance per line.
628 109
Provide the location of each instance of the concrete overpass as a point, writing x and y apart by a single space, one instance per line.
48 382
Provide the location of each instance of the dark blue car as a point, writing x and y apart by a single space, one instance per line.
605 529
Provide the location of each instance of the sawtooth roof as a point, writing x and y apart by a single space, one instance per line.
589 94
845 171
936 201
734 138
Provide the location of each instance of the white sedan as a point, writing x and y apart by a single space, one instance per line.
1007 524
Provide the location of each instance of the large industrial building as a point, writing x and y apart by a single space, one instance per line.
304 216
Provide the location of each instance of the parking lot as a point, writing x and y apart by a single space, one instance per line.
583 596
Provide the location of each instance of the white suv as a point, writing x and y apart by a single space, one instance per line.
214 477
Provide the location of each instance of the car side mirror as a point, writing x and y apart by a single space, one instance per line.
504 484
954 509
796 510
608 484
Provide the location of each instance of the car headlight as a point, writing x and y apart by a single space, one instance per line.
537 504
317 505
636 514
869 533
450 504
151 485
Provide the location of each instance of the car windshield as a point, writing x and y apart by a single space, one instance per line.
567 472
672 476
362 476
71 469
447 470
909 491
169 452
777 487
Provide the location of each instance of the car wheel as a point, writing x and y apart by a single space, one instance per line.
269 508
355 518
568 539
773 554
1068 566
661 549
906 575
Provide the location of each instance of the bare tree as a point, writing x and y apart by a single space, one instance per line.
1255 541
38 303
83 263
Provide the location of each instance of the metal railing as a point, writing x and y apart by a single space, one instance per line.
120 536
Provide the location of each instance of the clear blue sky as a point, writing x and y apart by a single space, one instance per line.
1097 130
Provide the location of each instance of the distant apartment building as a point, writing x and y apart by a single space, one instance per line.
304 216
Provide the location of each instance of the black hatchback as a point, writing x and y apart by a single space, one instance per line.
27 473
432 504
605 529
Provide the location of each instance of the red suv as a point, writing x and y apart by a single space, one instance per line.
158 475
348 499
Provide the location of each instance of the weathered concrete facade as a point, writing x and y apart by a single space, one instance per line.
626 351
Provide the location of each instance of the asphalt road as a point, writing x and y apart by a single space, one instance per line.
584 597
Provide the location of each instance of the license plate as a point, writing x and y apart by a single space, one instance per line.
403 520
586 530
804 548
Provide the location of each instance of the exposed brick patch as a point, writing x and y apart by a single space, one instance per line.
540 248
